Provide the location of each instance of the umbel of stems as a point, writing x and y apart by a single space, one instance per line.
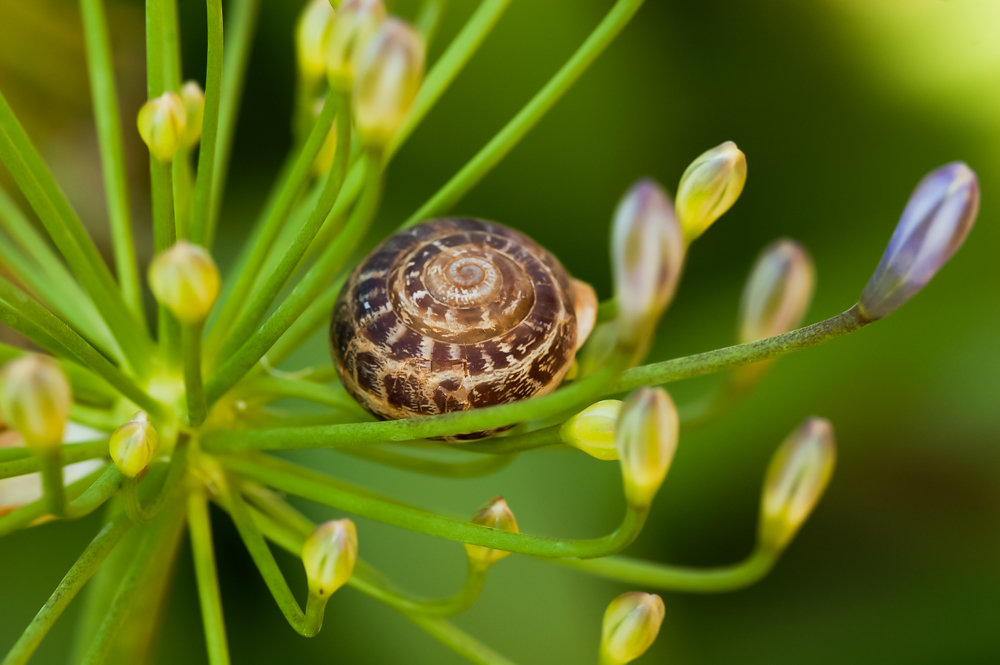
184 406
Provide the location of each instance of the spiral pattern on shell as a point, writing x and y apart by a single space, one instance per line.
455 314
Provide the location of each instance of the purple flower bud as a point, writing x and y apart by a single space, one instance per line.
933 226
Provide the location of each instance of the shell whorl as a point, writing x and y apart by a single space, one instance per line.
454 314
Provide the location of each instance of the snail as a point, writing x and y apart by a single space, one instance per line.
455 314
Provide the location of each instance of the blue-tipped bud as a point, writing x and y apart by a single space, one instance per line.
646 438
647 253
934 225
709 187
631 624
796 477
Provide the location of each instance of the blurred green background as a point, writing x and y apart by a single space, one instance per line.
841 106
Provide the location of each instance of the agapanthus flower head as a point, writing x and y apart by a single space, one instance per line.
777 292
647 253
934 225
631 623
495 514
162 123
593 429
311 34
646 438
389 72
194 112
351 29
35 400
133 445
709 187
185 279
799 471
329 555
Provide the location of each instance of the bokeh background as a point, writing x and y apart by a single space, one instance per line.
841 106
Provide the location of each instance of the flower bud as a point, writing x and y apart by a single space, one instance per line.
194 111
796 477
311 36
646 438
934 224
185 280
631 624
495 514
709 187
329 555
352 28
593 429
35 400
162 123
647 252
390 70
134 444
777 292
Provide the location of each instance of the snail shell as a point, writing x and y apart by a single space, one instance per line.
456 314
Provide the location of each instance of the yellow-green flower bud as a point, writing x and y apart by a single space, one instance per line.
389 73
162 123
647 253
329 555
593 429
796 477
185 280
646 437
495 514
777 292
134 444
709 187
631 624
35 400
194 112
352 28
311 35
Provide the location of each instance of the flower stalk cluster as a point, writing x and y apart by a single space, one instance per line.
185 406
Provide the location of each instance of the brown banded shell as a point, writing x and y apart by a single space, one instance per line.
456 314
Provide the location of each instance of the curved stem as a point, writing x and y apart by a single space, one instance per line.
203 191
321 489
171 485
652 575
515 130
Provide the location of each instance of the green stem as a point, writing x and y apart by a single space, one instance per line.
315 317
27 514
278 387
729 357
109 135
515 130
276 218
652 575
193 388
183 183
315 281
275 278
163 238
458 641
306 623
242 18
21 461
427 21
319 488
52 481
518 443
203 192
207 576
71 238
481 466
173 482
74 580
440 607
31 319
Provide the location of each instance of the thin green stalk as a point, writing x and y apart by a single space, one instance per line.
183 184
22 461
319 488
27 514
203 191
315 317
202 549
458 640
652 575
306 623
305 292
242 289
241 20
173 482
278 387
275 278
515 130
104 95
31 319
518 443
98 418
439 607
52 481
479 466
429 18
194 390
74 580
737 355
71 238
164 236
